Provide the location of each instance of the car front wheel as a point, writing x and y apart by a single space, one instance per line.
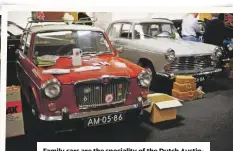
33 127
134 117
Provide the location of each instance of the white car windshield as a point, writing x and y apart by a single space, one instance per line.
62 43
150 30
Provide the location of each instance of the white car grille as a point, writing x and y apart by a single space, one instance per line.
192 63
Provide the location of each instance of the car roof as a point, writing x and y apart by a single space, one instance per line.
60 26
149 20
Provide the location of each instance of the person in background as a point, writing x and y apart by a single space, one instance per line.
215 31
190 27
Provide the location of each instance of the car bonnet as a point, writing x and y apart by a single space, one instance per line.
91 68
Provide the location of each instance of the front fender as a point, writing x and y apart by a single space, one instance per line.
158 59
36 95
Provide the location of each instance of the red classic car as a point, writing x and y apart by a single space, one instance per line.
100 90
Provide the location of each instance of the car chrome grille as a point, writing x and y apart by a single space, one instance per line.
91 94
192 63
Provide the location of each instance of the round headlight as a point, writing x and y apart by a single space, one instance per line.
218 52
145 78
230 47
51 88
170 55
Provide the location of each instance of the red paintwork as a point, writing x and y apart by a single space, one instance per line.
32 78
112 69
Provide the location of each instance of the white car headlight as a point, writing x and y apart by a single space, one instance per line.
52 88
170 55
218 52
145 78
230 47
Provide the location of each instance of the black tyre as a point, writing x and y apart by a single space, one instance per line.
133 117
34 128
29 119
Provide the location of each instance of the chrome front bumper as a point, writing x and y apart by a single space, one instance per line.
81 115
193 73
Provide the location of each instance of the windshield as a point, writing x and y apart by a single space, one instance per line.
62 43
150 30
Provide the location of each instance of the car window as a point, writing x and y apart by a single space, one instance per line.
174 30
126 31
138 33
115 30
62 43
166 27
156 29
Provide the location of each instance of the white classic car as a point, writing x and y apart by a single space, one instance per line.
156 45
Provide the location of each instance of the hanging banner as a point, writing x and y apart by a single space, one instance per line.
52 16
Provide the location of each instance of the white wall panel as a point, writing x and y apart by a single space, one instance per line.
105 18
20 18
168 15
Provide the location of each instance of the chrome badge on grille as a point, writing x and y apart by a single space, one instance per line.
85 99
109 98
87 90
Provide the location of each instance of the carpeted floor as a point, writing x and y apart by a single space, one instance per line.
209 119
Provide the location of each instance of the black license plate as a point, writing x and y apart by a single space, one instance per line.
200 78
104 119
